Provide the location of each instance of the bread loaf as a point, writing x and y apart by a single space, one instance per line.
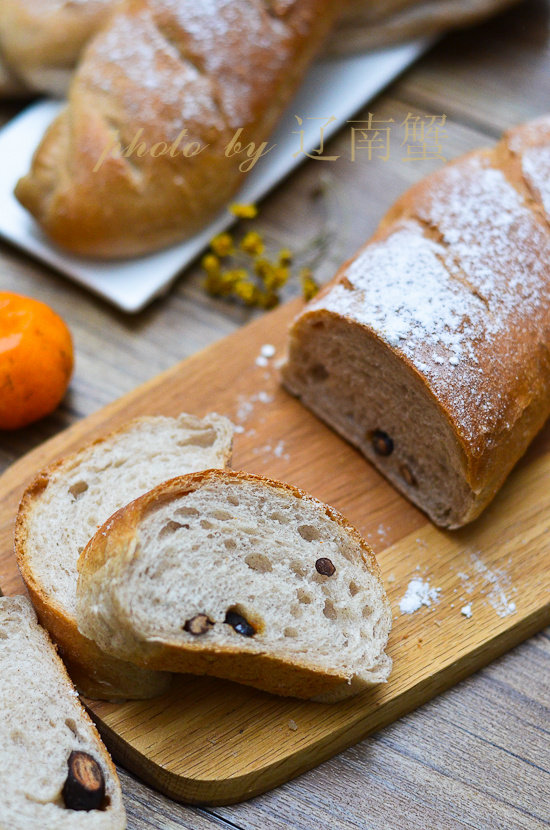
240 577
42 40
369 25
167 78
66 503
47 741
430 349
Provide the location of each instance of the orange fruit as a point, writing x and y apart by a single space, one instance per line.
36 360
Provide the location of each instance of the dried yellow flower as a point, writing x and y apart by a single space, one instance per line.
309 285
223 245
211 264
247 292
253 243
243 211
284 257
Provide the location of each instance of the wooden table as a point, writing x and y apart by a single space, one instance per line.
479 755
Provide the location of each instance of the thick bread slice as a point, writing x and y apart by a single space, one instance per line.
66 503
158 579
41 724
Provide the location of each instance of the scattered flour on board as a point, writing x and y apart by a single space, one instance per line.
266 352
278 450
466 610
245 405
495 585
418 593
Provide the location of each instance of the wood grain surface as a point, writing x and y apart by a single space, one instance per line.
478 755
214 742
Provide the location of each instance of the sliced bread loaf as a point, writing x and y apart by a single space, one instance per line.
55 772
240 577
68 501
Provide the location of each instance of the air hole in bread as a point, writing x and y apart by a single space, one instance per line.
277 516
171 527
187 511
232 499
309 533
221 515
71 724
298 568
303 596
230 544
367 611
290 632
354 588
206 524
329 610
199 439
17 737
92 521
296 610
318 373
77 489
258 562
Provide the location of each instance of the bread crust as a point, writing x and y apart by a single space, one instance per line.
201 75
494 421
96 674
292 676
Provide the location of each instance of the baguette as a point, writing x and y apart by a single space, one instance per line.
430 349
66 503
236 576
157 68
41 725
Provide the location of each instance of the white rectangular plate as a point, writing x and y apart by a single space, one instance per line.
336 87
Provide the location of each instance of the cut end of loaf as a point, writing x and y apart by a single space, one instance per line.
239 577
357 384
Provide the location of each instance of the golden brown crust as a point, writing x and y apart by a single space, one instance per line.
158 68
291 676
499 398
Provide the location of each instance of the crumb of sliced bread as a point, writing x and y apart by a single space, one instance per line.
160 581
41 724
66 503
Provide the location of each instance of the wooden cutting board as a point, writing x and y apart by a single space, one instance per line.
215 742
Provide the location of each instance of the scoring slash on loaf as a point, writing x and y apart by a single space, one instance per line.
63 508
56 773
240 577
430 350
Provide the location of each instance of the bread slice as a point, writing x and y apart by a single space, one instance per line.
237 576
41 724
68 501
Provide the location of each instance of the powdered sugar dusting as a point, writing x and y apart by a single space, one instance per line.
536 169
454 289
498 587
418 593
